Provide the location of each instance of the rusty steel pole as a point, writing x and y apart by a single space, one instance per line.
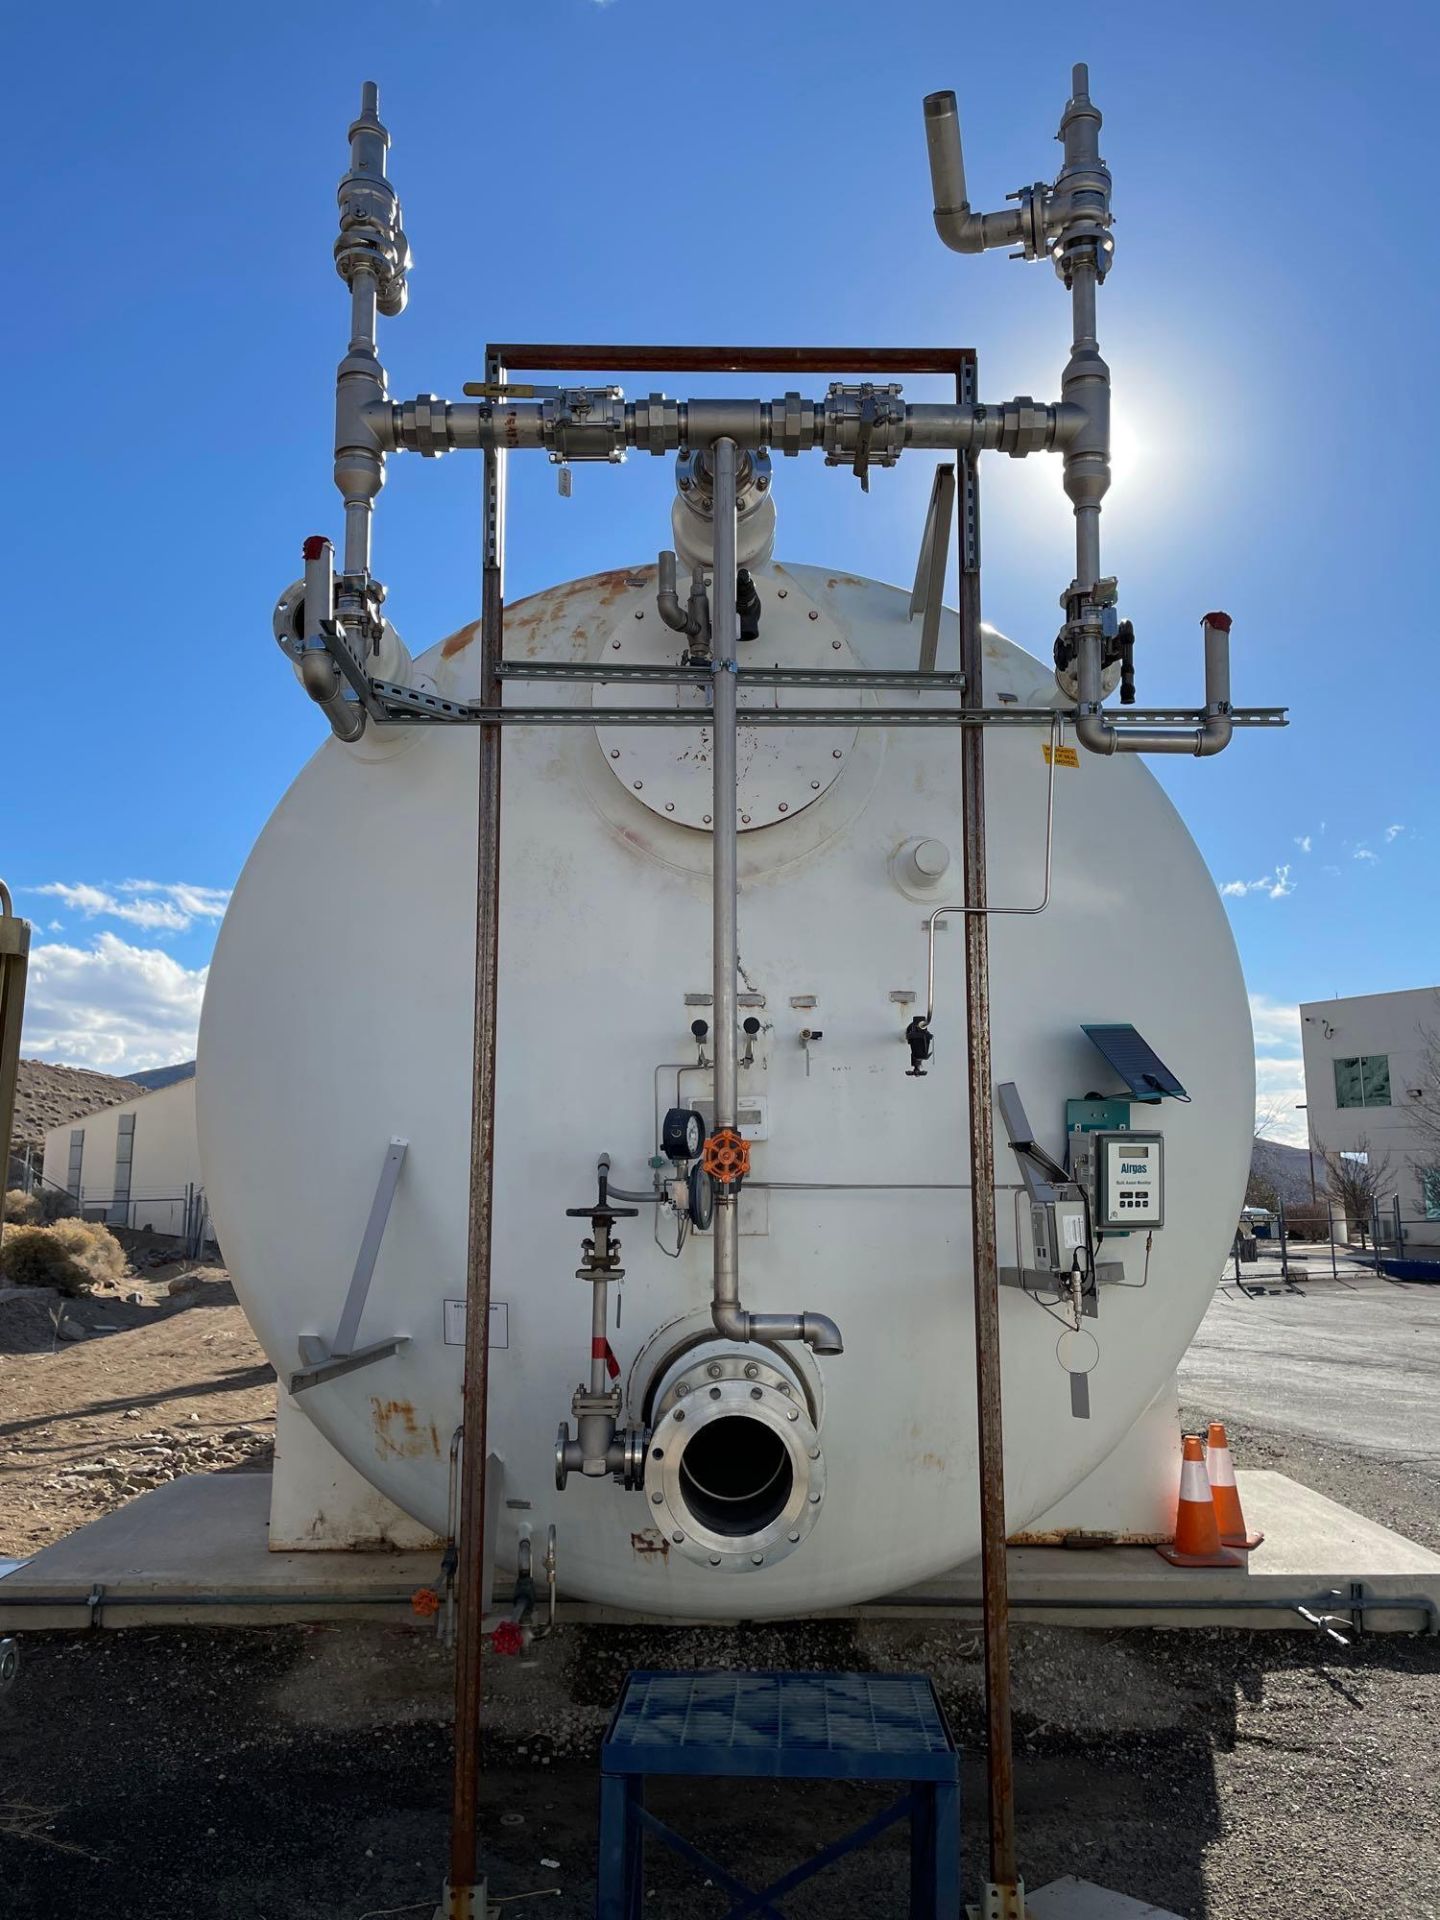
466 1887
1005 1894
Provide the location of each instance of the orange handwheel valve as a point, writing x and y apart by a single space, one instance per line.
727 1156
425 1601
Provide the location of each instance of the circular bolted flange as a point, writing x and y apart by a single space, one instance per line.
764 1523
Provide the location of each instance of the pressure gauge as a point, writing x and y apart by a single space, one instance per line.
683 1134
702 1199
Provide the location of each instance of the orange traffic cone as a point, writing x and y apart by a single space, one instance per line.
1220 1470
1197 1537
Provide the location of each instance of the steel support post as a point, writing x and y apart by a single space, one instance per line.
1005 1899
466 1892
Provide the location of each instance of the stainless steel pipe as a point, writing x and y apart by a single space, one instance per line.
817 1330
429 426
724 845
961 229
1095 730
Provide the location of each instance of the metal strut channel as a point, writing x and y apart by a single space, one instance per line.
387 701
598 671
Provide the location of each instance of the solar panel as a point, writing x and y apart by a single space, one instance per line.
1136 1062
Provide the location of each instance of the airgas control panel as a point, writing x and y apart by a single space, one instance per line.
1129 1180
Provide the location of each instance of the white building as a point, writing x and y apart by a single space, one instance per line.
135 1164
1369 1084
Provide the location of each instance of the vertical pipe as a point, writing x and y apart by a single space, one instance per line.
599 1335
724 842
362 365
469 1638
994 1573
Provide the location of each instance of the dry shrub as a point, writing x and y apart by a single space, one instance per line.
22 1209
55 1204
72 1255
1306 1222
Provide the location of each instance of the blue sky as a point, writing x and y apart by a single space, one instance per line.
647 170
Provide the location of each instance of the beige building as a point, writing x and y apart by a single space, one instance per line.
1370 1085
135 1164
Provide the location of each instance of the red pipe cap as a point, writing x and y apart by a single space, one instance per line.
1221 620
314 546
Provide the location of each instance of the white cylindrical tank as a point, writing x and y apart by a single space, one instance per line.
338 1016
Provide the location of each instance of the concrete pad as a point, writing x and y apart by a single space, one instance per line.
1072 1899
1314 1550
196 1552
202 1543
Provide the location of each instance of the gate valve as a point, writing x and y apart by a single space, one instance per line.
921 1043
604 1212
508 1638
599 1256
727 1157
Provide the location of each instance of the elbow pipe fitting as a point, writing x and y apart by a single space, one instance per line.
667 597
958 225
962 229
320 678
817 1330
1098 734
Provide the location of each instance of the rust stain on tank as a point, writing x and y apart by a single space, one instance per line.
459 640
649 1544
398 1434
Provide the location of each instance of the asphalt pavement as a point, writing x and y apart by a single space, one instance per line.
1355 1363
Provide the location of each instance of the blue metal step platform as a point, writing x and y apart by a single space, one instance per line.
780 1726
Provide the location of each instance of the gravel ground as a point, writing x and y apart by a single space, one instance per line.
162 1383
303 1774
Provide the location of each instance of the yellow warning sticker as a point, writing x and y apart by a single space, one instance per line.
1064 756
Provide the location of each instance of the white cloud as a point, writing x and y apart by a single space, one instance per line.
1279 1069
1393 833
1303 842
159 906
1364 853
1276 885
112 1006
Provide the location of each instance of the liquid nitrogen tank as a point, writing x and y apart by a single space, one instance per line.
338 1014
732 1333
